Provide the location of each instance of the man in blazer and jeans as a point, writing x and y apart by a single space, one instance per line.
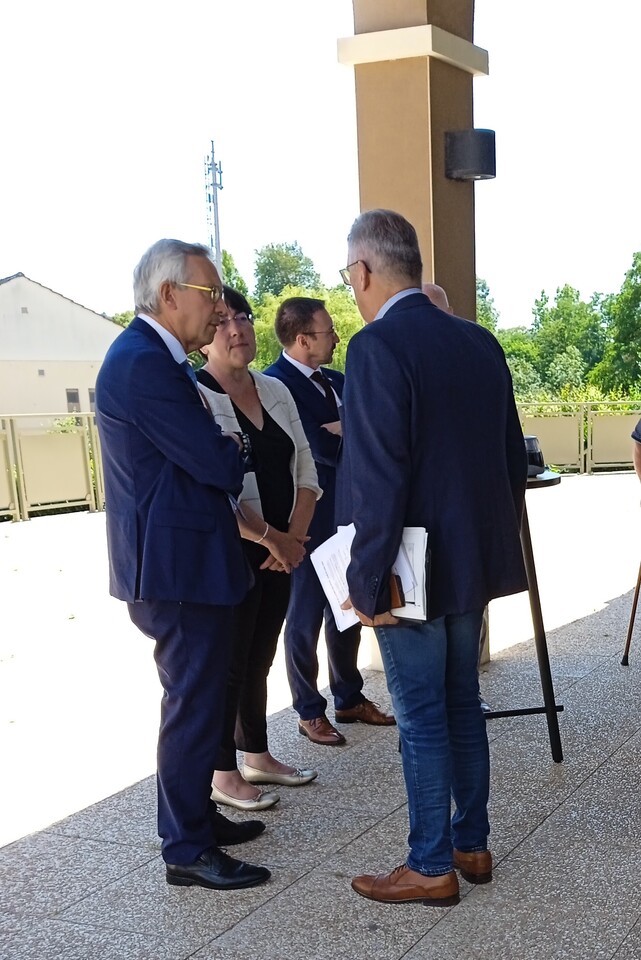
175 555
431 439
306 332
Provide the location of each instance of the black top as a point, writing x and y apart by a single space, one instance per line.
272 450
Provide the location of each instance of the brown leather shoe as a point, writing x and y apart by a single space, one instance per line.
320 730
475 867
404 886
365 712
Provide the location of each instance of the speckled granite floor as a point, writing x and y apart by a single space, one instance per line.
566 840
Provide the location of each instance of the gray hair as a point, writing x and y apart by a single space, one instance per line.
165 261
389 245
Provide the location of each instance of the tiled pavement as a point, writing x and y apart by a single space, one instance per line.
566 837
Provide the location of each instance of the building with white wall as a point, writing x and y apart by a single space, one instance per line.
51 349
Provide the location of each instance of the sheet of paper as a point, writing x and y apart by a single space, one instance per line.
413 548
331 560
403 569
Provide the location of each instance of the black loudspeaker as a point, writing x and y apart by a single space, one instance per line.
470 155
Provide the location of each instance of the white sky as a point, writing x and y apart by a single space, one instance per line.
108 111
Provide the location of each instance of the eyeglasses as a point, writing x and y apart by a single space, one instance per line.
345 277
214 292
331 332
240 318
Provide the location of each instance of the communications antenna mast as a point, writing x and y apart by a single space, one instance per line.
213 183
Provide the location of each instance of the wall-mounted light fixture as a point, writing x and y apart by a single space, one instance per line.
470 155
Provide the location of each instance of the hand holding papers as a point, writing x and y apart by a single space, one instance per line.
332 558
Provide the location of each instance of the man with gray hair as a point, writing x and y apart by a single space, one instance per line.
175 554
431 439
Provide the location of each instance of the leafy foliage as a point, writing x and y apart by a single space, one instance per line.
569 322
486 313
231 276
123 319
279 265
621 363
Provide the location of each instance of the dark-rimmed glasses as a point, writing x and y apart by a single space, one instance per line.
331 332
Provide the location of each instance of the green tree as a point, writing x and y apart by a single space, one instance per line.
568 322
518 344
525 378
486 313
566 370
279 265
231 276
620 367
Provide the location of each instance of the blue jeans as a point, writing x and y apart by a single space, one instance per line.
432 675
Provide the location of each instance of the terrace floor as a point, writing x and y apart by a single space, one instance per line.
81 872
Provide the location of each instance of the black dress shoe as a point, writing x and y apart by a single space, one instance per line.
228 832
216 870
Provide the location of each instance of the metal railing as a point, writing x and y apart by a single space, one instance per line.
49 462
52 461
583 436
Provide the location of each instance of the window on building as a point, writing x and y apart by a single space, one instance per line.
41 373
92 399
73 401
24 309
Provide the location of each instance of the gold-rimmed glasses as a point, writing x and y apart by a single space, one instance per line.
214 292
345 277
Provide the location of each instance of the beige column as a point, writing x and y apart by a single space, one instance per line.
414 62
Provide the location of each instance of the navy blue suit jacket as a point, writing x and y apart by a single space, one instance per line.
171 531
315 410
432 438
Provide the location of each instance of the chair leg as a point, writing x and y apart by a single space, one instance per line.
633 613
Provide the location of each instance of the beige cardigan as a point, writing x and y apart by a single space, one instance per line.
279 404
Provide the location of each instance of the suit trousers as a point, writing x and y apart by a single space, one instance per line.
192 652
307 608
256 627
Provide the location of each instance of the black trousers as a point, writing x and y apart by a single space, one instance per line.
192 653
257 624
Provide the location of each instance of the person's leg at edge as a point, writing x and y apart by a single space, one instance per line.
468 734
251 723
302 627
345 679
226 776
414 658
192 647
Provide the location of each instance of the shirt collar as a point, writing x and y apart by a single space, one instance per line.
392 300
174 345
304 369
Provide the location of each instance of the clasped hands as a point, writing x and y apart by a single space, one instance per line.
286 551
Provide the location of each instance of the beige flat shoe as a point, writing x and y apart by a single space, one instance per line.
261 802
296 779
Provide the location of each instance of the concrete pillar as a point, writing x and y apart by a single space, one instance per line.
414 63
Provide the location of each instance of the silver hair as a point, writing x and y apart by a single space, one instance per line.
165 261
387 242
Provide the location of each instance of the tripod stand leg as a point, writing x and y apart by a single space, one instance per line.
633 613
